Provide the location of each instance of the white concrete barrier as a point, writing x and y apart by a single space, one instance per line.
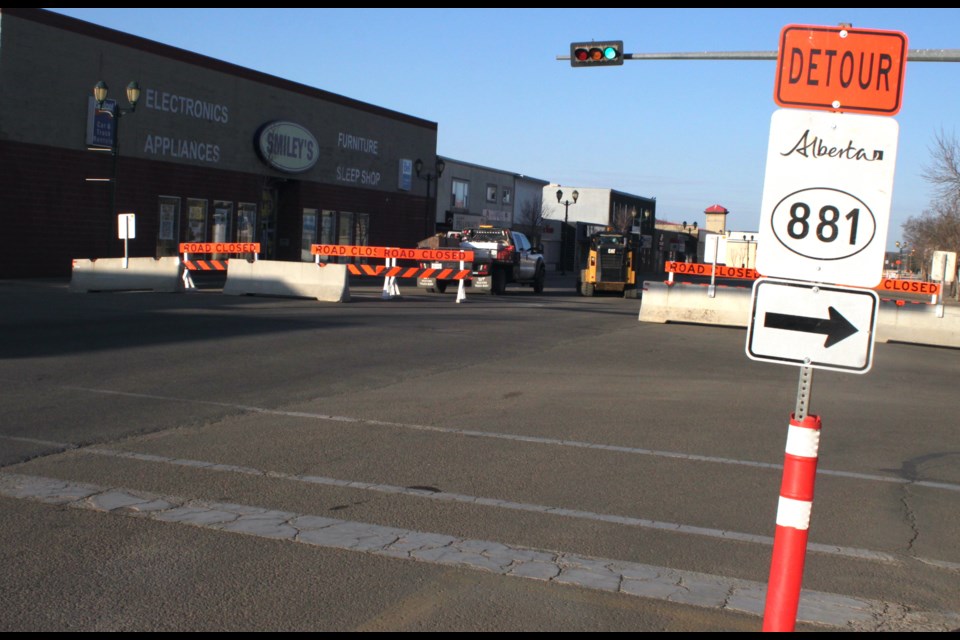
930 324
690 303
915 323
326 282
140 274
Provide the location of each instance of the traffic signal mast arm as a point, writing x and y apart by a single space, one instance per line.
914 55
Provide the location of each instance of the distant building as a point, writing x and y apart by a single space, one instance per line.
608 207
214 152
469 194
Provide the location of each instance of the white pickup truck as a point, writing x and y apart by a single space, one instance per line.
501 257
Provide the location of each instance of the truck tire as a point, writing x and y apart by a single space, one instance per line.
588 289
539 279
499 282
441 286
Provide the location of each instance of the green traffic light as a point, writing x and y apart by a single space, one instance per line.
596 54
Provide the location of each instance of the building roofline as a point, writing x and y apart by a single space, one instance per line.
66 23
612 191
480 166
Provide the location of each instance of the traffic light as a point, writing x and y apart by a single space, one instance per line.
596 54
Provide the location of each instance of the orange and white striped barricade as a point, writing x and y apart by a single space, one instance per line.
207 248
390 270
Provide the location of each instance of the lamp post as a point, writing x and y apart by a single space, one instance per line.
563 231
900 247
115 112
439 167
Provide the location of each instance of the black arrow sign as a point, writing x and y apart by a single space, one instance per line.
836 328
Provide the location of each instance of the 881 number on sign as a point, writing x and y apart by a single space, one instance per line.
823 224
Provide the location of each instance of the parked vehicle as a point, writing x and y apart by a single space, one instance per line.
501 257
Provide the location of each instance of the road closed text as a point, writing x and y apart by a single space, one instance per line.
362 251
701 269
909 286
219 247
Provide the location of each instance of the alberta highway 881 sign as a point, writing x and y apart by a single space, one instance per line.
826 197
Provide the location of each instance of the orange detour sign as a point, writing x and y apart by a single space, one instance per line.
841 69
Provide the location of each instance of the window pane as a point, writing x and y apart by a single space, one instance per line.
196 220
246 221
308 235
168 233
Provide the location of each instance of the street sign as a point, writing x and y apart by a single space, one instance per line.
126 226
944 266
811 325
826 197
841 69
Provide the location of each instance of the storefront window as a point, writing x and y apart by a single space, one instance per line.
196 220
169 229
328 231
346 228
246 221
308 234
222 219
361 231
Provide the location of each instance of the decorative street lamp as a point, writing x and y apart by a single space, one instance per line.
115 113
439 167
900 247
563 232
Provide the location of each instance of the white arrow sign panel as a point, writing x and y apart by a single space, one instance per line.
811 325
826 197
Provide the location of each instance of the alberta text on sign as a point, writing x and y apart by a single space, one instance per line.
841 69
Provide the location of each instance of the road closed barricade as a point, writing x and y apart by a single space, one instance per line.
215 249
708 270
390 270
893 285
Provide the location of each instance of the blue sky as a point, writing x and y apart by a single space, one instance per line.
688 133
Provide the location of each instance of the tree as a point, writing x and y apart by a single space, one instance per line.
944 170
938 227
530 220
623 218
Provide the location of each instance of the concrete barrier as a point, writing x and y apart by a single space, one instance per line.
141 274
928 324
325 282
690 303
935 325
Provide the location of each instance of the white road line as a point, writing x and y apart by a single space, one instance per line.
647 581
849 552
518 438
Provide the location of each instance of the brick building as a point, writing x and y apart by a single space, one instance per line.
212 152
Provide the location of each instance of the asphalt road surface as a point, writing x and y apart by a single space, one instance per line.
201 462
